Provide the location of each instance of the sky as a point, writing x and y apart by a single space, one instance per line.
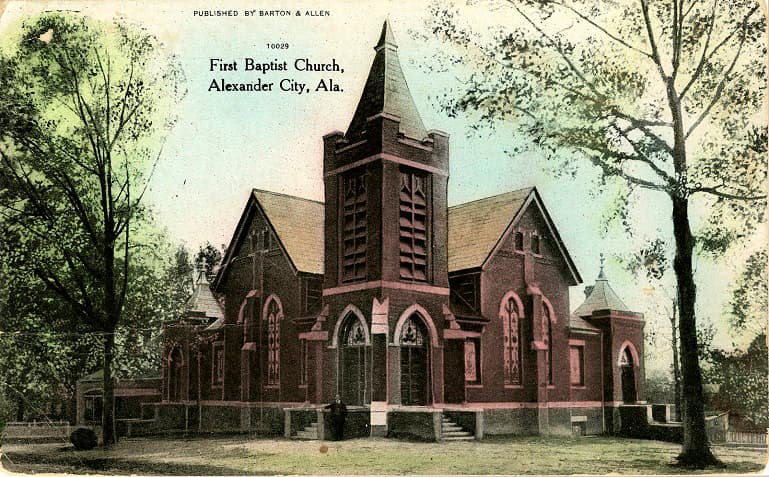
225 143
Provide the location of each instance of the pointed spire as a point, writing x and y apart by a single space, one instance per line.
386 92
386 37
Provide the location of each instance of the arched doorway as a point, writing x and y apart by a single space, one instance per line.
627 370
353 362
415 361
175 364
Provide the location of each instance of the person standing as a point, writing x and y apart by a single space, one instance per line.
338 416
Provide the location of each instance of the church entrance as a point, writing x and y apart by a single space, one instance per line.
415 361
353 363
628 377
175 376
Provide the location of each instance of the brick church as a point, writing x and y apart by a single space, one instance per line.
428 320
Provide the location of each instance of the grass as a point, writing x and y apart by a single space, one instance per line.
246 456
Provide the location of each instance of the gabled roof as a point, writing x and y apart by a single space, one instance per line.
601 297
386 92
477 228
202 300
297 223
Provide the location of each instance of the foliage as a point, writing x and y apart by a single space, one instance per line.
749 304
208 259
741 380
665 97
83 110
659 387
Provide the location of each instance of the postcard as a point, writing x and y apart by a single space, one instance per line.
428 237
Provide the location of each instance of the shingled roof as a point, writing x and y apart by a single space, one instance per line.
298 224
386 92
202 300
601 297
475 227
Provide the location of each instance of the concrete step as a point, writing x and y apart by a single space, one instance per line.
451 431
311 435
456 434
450 427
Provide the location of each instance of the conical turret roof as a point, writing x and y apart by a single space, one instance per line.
601 297
386 92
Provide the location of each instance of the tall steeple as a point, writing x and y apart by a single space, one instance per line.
386 92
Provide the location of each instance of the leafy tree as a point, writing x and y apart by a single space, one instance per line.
662 96
749 304
208 259
741 380
83 110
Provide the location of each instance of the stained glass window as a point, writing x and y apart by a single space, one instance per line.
471 370
511 329
354 228
577 365
413 227
274 314
547 338
411 334
356 336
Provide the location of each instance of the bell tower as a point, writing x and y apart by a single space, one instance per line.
385 185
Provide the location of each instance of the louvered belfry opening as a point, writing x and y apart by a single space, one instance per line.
354 228
413 227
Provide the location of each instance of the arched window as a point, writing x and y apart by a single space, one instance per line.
414 355
273 314
353 362
510 314
547 339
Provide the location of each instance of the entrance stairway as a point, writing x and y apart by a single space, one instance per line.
450 431
308 433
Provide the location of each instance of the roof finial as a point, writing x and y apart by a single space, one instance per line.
601 275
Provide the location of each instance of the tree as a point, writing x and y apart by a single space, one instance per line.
83 110
741 379
663 96
652 262
208 258
749 297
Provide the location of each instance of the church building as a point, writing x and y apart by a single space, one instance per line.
430 321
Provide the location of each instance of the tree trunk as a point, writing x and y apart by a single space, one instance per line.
20 408
676 363
696 449
108 397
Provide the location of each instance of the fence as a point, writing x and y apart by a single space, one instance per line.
37 430
738 438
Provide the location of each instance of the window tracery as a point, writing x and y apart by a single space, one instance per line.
511 330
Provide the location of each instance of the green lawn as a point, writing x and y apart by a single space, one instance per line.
241 455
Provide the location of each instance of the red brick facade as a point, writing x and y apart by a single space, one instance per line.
387 296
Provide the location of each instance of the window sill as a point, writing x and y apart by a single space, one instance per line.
578 386
473 386
513 386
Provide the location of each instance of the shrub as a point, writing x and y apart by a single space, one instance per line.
83 438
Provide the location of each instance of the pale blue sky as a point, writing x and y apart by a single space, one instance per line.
225 144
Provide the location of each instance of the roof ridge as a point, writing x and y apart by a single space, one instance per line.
254 190
456 206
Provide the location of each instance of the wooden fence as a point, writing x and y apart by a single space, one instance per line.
738 438
37 430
